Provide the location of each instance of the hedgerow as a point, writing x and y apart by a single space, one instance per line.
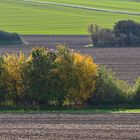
110 90
47 77
60 77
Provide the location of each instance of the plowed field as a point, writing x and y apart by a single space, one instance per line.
69 127
125 62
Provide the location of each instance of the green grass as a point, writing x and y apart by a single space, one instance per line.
28 18
123 5
64 110
75 111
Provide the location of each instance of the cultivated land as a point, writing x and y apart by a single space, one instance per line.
125 62
63 17
37 17
69 127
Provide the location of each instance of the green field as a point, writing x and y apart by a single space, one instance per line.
28 17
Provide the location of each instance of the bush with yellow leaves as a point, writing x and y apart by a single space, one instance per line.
47 77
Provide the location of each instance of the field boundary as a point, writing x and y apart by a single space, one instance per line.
72 111
84 7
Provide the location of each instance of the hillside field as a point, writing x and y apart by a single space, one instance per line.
54 17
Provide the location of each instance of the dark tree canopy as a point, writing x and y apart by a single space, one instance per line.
128 27
10 38
124 33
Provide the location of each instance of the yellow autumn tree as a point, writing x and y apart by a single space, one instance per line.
13 66
62 74
76 76
85 70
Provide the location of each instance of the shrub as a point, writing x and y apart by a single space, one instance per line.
109 90
10 38
74 77
59 77
63 74
13 70
137 92
101 37
37 75
128 32
3 89
85 72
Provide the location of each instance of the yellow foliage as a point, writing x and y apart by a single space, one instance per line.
65 74
87 62
13 65
86 72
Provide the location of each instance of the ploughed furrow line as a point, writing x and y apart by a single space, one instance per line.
30 126
106 119
124 62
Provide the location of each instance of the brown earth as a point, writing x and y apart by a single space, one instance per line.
69 127
125 62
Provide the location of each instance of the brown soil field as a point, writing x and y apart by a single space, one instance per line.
125 62
69 127
54 40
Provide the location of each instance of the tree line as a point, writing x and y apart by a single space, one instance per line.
124 33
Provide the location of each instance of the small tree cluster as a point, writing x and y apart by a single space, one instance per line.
101 37
10 38
124 33
47 77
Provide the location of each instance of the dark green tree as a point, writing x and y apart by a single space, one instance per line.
128 32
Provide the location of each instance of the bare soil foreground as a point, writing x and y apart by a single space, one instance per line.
125 62
69 127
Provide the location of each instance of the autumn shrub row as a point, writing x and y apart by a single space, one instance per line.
60 77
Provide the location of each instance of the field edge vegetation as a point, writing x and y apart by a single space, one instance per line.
7 38
124 33
61 78
70 110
